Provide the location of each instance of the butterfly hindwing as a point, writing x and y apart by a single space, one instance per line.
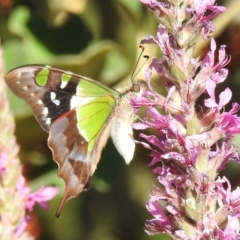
76 140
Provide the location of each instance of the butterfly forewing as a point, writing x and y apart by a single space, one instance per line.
52 92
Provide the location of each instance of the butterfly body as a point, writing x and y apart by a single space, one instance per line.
79 114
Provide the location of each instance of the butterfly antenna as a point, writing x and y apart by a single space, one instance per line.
135 73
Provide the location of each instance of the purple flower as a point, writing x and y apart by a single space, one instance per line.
3 162
41 197
192 142
27 200
187 18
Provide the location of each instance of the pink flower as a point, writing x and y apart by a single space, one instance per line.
192 143
3 162
41 197
189 17
15 197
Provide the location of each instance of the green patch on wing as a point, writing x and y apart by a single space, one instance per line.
92 117
88 88
42 77
66 77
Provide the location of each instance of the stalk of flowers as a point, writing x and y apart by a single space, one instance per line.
192 143
16 200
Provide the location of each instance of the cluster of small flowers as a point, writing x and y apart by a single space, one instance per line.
192 144
16 200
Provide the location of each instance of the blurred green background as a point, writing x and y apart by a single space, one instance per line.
98 39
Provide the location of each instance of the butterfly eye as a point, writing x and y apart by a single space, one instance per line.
136 88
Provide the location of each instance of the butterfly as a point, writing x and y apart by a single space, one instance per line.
79 114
